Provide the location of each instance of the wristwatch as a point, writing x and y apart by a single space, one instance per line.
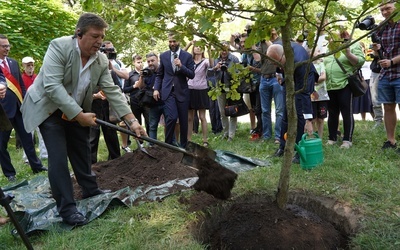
131 121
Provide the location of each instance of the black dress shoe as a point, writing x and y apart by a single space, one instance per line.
75 219
279 152
38 170
11 178
97 192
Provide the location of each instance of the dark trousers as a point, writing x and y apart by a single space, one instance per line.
255 101
67 140
174 110
300 120
101 109
341 102
196 122
27 144
138 111
215 117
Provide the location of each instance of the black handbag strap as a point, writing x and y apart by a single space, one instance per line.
341 66
344 71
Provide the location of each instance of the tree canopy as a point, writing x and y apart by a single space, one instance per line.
31 25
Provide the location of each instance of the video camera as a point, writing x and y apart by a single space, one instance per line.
224 66
147 72
111 53
367 24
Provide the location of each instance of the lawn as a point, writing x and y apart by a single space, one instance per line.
364 176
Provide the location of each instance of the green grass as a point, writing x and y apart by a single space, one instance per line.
365 177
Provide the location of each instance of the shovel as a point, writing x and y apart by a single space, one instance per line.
140 146
213 177
143 149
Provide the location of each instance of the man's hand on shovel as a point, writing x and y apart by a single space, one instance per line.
134 125
85 119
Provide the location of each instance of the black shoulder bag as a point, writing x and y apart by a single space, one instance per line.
357 84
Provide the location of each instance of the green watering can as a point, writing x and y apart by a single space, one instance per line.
310 151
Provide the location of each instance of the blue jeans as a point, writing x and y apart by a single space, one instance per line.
154 118
270 88
389 90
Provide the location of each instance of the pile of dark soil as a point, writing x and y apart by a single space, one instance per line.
236 223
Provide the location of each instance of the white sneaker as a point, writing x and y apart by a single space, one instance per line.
127 149
330 142
346 144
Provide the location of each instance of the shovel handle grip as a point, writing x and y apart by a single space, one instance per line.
145 138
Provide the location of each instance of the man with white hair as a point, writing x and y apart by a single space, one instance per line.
302 99
28 76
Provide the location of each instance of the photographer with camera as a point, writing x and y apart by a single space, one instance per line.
221 65
368 24
389 79
119 74
118 70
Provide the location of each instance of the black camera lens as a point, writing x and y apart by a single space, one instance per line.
112 56
146 72
367 23
224 67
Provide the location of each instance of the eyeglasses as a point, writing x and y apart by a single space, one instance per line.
5 46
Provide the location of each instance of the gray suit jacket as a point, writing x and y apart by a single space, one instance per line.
58 77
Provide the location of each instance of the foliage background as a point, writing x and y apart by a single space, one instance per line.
31 25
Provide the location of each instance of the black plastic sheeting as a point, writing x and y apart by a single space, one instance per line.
36 210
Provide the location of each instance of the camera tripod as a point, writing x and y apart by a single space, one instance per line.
5 202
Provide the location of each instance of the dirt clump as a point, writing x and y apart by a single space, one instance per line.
236 223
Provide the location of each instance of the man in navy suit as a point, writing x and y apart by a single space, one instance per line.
176 65
11 104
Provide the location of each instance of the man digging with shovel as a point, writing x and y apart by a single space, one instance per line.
59 102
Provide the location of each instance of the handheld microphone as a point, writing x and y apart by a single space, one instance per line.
176 56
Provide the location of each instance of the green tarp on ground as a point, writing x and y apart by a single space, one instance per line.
36 210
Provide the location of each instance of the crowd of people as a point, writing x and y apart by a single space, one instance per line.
81 80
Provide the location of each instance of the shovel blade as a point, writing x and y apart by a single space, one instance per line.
197 151
200 151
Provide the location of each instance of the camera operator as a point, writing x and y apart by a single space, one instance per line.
101 108
146 81
119 75
118 70
236 37
389 79
222 63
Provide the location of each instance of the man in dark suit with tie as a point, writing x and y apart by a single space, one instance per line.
11 104
176 65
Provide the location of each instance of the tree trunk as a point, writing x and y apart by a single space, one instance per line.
283 186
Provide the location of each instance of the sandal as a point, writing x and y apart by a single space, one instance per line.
205 144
